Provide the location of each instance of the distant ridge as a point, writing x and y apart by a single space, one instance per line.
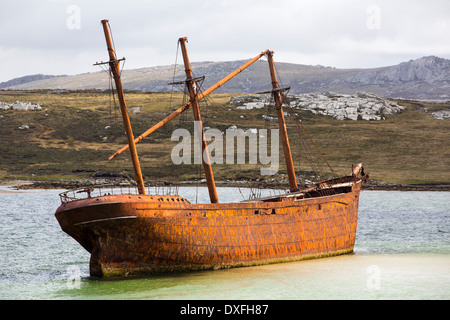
25 79
426 78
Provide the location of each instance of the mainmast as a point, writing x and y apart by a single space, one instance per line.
114 65
193 93
276 91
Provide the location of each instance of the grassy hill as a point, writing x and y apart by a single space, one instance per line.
73 135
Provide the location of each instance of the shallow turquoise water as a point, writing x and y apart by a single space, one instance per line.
402 251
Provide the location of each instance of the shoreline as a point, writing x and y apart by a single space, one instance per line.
17 185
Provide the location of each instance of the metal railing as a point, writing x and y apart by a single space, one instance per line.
112 189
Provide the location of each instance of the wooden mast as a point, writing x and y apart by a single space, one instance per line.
193 93
114 65
281 123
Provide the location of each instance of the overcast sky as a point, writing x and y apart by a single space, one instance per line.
65 36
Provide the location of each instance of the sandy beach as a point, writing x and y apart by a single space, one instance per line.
13 186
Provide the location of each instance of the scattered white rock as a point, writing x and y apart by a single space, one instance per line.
364 106
269 118
137 109
24 106
441 114
252 105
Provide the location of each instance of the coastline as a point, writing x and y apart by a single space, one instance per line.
17 185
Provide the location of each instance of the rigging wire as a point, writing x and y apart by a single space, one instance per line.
112 38
112 98
175 175
270 114
174 73
207 102
293 115
112 103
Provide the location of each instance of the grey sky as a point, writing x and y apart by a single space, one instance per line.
65 36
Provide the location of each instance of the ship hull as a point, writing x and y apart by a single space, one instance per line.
138 234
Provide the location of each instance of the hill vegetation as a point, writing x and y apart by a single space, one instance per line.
71 137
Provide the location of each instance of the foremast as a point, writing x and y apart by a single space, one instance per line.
115 69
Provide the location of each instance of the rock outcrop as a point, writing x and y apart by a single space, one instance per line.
364 106
360 106
441 114
25 106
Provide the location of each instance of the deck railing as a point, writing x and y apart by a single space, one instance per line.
113 189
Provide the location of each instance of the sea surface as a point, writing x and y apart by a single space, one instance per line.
402 251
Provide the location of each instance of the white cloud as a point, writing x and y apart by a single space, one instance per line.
34 36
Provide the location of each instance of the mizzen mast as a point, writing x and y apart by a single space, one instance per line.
193 93
115 69
276 91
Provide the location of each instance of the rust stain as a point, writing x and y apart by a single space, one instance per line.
140 234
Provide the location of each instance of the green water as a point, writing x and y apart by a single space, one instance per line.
357 276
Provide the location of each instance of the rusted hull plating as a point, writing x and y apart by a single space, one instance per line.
141 234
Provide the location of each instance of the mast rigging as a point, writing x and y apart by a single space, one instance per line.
189 104
193 93
114 65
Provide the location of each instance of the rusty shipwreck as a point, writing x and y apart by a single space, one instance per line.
139 233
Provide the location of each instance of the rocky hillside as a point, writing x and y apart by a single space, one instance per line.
24 80
427 78
361 106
